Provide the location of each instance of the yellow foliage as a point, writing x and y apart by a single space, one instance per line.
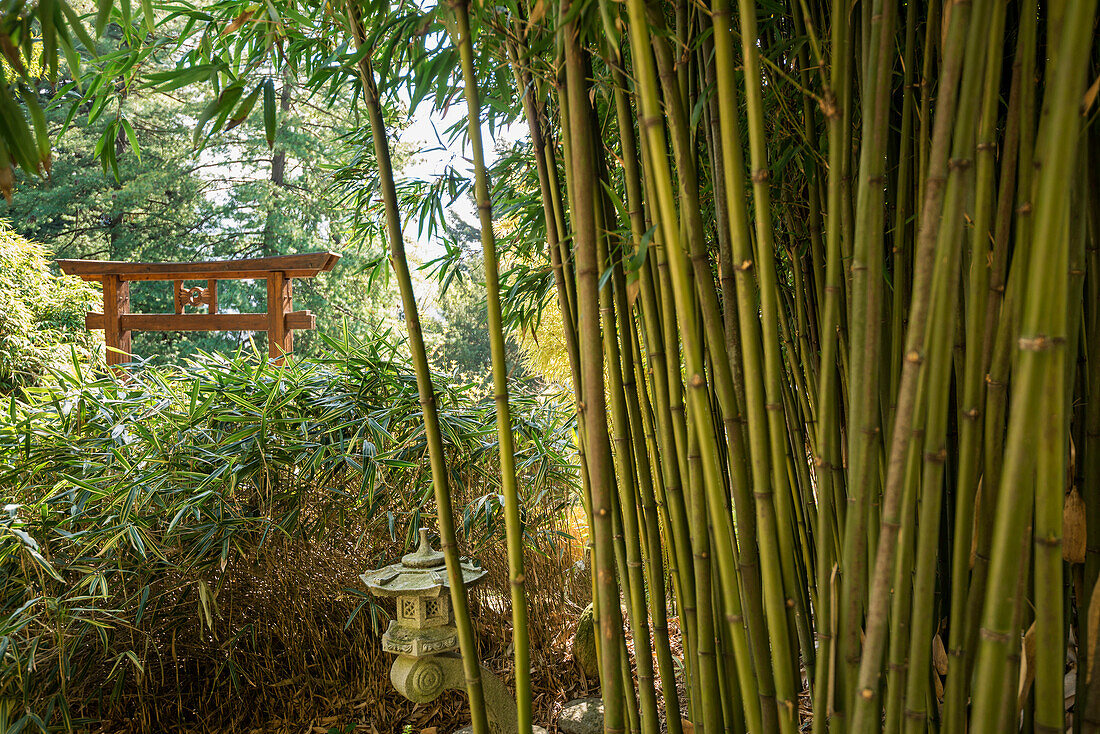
543 348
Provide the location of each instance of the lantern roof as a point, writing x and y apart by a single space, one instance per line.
420 573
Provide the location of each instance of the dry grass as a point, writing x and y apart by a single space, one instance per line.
280 659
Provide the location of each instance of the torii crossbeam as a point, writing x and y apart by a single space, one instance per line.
279 322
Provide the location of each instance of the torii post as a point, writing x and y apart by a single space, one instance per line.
279 322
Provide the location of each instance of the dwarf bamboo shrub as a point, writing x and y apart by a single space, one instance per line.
41 314
177 542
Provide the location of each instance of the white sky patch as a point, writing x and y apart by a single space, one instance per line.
426 133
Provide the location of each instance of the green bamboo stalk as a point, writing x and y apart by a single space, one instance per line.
1090 711
904 423
654 566
1010 715
813 202
682 291
678 427
513 524
1074 382
1006 321
628 335
864 412
981 267
902 250
710 717
827 458
591 353
628 492
551 203
938 342
723 232
775 520
675 511
698 640
759 423
1038 357
630 699
900 605
715 338
1069 50
448 541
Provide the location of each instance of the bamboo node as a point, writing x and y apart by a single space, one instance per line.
1051 541
697 380
1037 343
993 636
760 176
913 357
1025 208
867 694
984 147
972 414
745 265
958 164
936 457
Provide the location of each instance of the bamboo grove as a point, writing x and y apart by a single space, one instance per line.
828 275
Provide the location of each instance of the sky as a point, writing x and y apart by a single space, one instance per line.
426 133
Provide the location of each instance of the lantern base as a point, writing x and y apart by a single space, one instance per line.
423 679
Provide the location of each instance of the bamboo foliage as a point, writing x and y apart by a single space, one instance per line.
820 268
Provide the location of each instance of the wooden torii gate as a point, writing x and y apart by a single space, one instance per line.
279 322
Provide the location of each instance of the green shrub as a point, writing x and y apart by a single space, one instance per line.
182 544
41 314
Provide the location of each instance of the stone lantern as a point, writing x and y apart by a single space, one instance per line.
425 624
423 635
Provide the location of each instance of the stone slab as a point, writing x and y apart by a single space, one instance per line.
582 716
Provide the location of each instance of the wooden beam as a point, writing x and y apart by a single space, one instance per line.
202 321
116 302
280 340
292 266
